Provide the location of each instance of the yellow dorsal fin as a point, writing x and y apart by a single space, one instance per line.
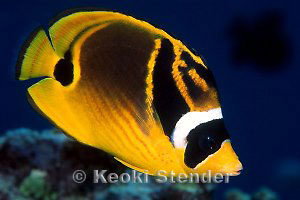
37 57
66 29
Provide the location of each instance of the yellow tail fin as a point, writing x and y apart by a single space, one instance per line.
37 57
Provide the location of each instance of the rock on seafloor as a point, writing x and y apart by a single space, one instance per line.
39 165
263 193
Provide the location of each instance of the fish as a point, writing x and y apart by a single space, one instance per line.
124 86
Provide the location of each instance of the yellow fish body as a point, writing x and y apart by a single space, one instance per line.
121 85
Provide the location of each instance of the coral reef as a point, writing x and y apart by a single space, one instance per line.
263 193
39 166
35 186
236 194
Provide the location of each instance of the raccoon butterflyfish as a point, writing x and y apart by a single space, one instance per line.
126 87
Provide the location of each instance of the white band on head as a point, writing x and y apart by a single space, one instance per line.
189 121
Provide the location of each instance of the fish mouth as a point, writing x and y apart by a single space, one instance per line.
235 173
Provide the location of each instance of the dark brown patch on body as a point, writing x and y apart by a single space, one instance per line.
114 59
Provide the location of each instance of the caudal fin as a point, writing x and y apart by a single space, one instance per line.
37 57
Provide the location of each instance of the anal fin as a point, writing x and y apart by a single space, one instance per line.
134 167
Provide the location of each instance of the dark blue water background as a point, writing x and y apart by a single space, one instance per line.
260 99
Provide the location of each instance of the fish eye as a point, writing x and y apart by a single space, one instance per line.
204 140
207 143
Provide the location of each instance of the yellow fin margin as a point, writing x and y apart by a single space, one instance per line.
37 57
134 167
63 31
66 29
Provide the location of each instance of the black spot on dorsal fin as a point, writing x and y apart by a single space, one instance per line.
63 71
167 100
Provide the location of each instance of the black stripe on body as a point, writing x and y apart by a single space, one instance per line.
167 100
193 90
204 73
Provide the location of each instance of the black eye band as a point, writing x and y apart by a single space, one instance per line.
203 141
